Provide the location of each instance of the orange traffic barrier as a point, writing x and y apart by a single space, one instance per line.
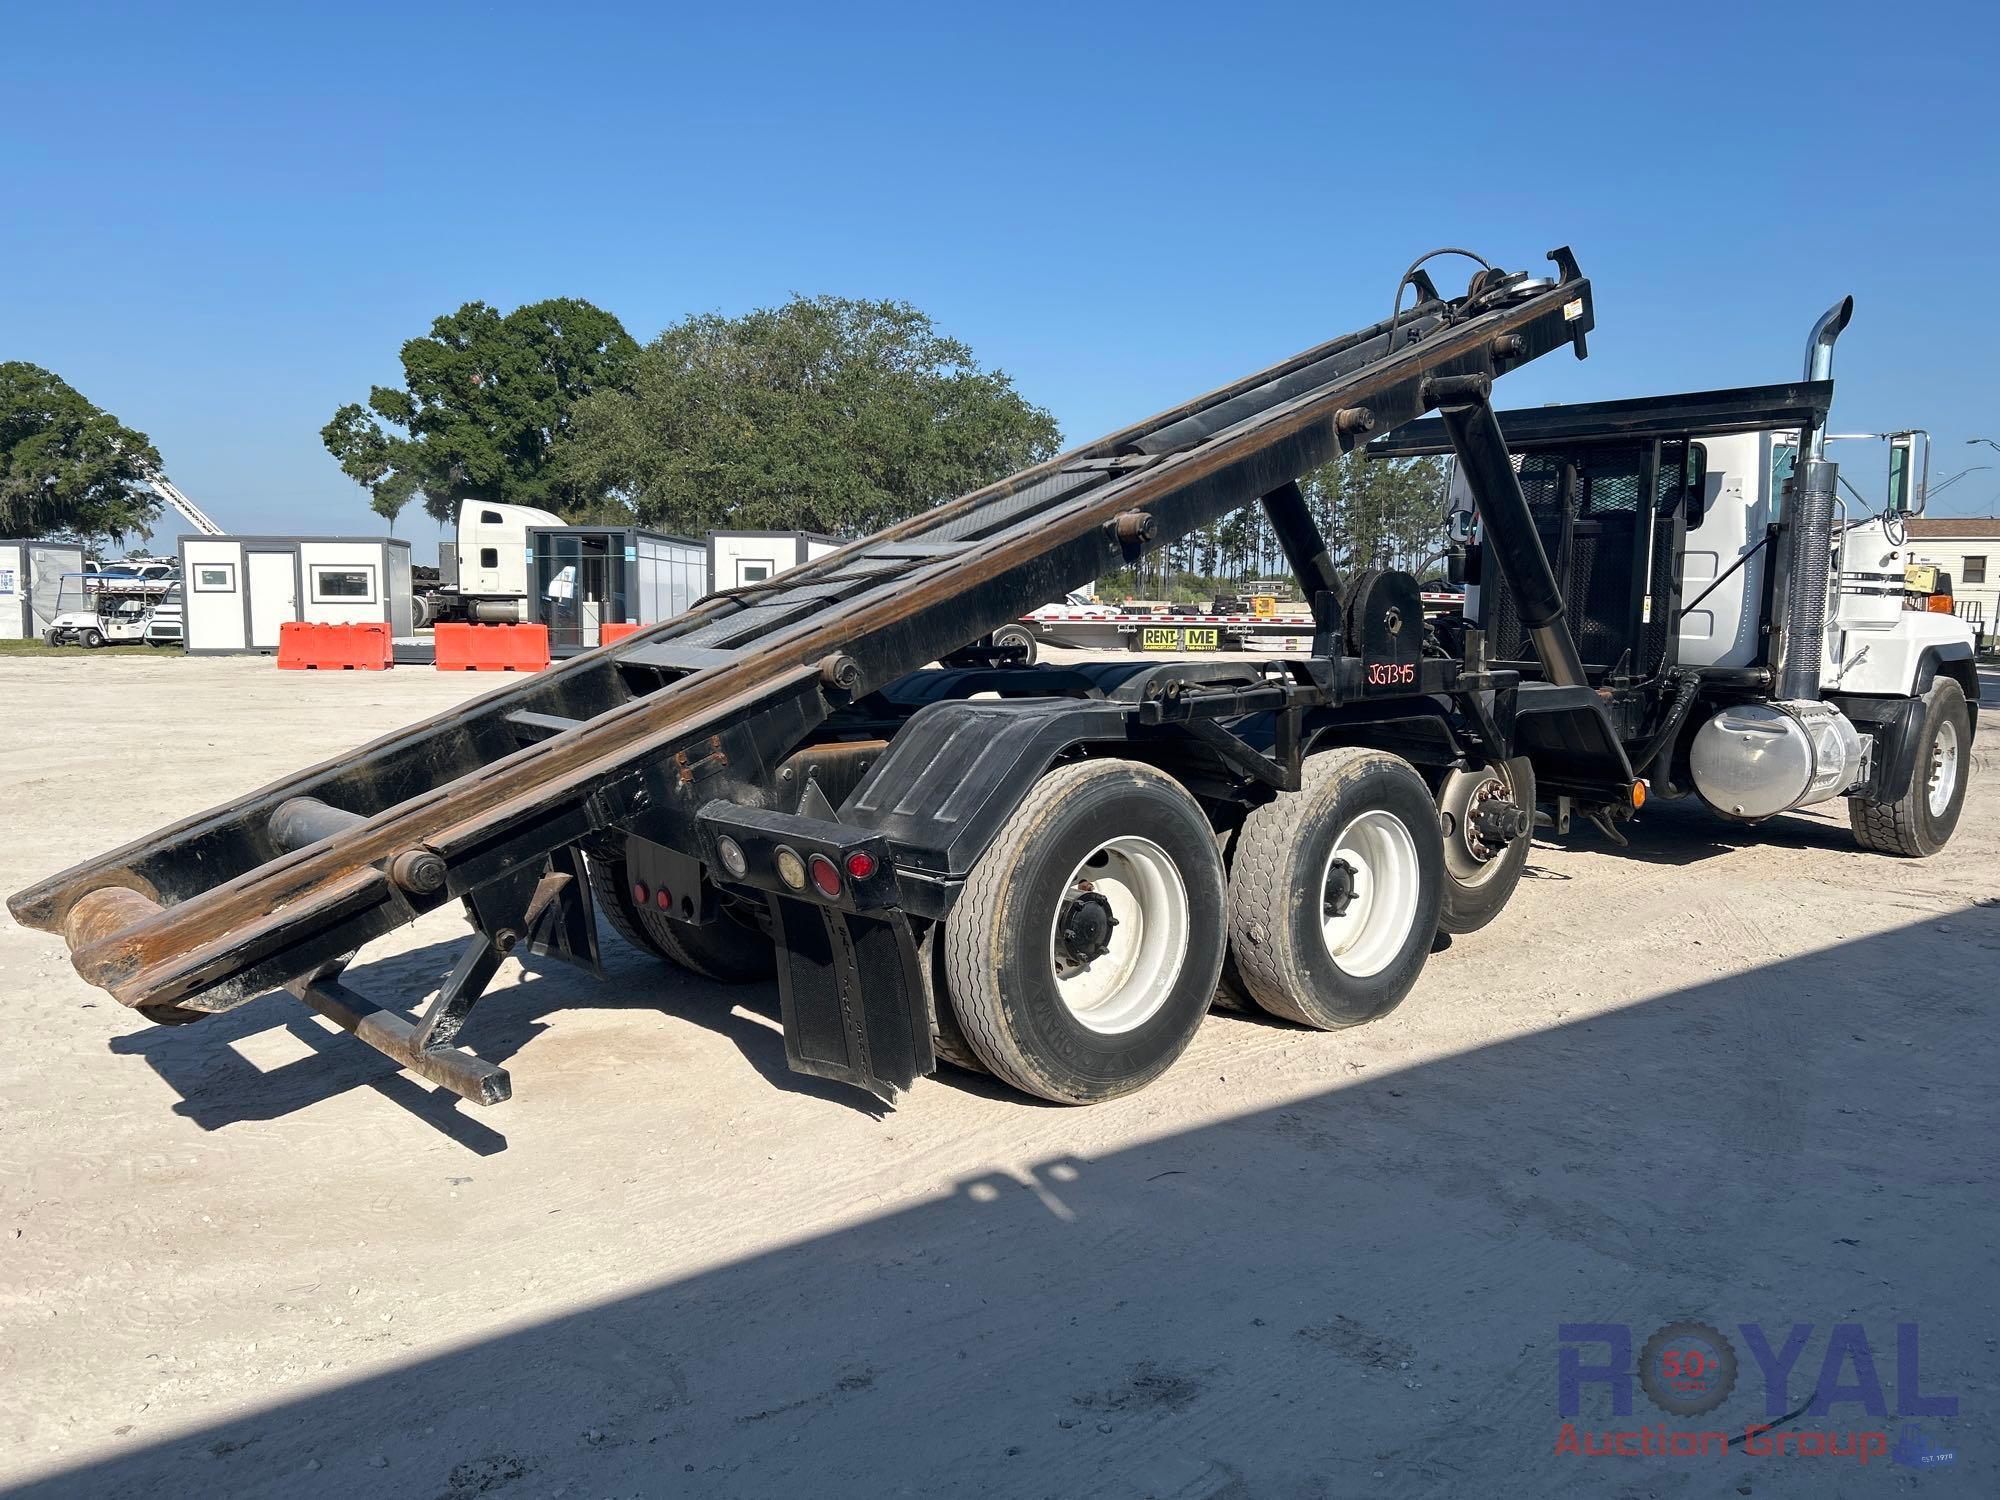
491 648
307 647
615 630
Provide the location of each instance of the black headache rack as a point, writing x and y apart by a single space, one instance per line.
783 742
1612 488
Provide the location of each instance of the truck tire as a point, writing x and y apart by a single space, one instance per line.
1479 878
1019 635
1922 820
1335 888
947 1036
1084 948
730 950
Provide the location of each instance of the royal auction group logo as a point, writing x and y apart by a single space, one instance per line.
1688 1369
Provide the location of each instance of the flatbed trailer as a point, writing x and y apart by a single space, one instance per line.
1036 870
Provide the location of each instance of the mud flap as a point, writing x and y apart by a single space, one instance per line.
852 997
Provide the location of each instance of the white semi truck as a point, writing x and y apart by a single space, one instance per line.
484 574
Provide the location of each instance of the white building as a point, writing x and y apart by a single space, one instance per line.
237 590
738 558
1968 548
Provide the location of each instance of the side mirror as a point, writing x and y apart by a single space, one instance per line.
1909 472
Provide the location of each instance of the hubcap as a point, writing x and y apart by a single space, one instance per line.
1119 935
1480 819
1083 931
1944 768
1375 860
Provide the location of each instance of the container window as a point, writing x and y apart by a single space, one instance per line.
343 585
215 578
1974 571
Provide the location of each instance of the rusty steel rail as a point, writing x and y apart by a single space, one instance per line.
284 884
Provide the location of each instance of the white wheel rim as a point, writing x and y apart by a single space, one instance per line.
1944 767
1124 987
1380 858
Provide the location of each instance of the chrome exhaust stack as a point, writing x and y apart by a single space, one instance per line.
1808 533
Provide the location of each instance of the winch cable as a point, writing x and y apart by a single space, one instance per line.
1396 302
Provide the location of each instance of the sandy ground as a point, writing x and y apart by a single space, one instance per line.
1746 1082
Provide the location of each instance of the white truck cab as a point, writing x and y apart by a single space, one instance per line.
1873 644
1737 602
488 579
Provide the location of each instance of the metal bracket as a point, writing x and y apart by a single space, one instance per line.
423 1048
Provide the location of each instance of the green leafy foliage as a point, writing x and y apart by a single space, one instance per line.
66 466
485 411
825 414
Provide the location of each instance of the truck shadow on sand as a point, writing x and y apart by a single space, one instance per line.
1685 832
1354 1293
219 1086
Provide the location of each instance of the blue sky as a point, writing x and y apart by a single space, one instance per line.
224 221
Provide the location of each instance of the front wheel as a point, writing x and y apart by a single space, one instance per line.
1085 945
1487 820
93 639
1334 890
1922 820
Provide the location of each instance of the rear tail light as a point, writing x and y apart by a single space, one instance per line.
791 869
825 875
861 864
664 898
640 895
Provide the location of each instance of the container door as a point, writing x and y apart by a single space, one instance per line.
13 593
274 596
46 566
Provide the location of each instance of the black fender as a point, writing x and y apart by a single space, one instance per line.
1897 723
957 770
1951 659
1895 761
1575 747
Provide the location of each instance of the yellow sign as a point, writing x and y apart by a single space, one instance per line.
1175 638
1921 578
1264 606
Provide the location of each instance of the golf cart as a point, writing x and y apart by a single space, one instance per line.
103 617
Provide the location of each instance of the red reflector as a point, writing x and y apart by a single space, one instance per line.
824 875
665 898
639 892
861 864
